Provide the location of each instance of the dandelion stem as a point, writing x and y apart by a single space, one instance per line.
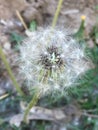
36 97
57 13
30 105
10 72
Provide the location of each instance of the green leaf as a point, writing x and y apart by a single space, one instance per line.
80 34
33 25
15 37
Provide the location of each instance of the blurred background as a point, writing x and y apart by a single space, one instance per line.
78 110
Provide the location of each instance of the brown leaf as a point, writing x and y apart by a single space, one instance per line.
63 115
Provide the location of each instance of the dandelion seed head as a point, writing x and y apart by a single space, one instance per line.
52 61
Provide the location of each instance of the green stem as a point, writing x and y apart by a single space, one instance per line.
30 105
10 72
36 97
57 13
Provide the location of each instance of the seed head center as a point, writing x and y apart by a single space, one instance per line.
52 59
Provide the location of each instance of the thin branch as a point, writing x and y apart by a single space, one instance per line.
4 96
21 19
90 115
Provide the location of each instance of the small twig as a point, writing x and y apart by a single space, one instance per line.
4 96
86 113
91 110
21 19
90 115
73 11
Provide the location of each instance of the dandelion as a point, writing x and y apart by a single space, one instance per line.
83 17
52 61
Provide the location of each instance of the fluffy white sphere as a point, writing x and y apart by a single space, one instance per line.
51 61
